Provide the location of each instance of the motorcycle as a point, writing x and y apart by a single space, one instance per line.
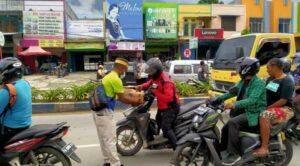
137 129
202 147
40 145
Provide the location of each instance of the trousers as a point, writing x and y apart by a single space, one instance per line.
106 129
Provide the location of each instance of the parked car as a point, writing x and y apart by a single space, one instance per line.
130 75
183 70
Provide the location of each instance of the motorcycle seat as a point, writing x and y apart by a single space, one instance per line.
36 131
190 106
254 131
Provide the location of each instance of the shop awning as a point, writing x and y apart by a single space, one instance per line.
34 51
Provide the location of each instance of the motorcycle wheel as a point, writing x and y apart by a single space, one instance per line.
48 157
125 145
288 154
184 153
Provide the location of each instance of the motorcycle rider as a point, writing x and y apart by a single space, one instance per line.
18 117
280 89
296 76
167 100
251 101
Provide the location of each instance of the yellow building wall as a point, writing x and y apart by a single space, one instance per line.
279 10
186 11
253 10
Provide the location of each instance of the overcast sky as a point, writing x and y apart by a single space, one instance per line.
182 1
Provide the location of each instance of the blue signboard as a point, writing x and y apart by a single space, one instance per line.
124 19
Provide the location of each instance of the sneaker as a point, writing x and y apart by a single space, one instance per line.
231 160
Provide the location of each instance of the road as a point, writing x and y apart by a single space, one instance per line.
83 134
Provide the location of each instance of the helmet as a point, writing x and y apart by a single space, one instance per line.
296 59
247 66
154 67
286 66
10 68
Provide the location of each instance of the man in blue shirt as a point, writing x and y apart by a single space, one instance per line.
17 117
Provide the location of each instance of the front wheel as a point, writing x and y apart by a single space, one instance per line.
129 141
184 155
46 156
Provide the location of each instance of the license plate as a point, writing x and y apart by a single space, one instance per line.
69 149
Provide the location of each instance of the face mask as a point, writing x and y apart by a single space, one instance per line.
123 75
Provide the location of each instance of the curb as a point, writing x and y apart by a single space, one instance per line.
84 106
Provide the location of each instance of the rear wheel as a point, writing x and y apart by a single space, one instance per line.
184 153
288 153
48 157
129 141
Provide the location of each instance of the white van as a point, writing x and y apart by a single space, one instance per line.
182 70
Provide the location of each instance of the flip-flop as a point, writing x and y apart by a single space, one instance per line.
260 155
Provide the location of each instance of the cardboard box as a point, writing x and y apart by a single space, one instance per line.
134 96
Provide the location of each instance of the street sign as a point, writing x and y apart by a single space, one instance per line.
187 53
2 40
193 43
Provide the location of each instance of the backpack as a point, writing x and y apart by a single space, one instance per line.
98 99
12 98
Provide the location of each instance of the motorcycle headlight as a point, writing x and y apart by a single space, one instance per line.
197 120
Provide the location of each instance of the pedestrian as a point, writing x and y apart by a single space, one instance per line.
203 72
296 76
141 76
104 119
100 72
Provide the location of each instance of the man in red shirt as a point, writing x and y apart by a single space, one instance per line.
167 100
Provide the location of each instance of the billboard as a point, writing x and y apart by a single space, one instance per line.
161 22
85 29
124 19
43 25
87 9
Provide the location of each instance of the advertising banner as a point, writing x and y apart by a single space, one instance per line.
51 43
124 19
85 29
43 25
87 9
126 46
161 22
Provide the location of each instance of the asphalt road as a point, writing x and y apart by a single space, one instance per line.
83 134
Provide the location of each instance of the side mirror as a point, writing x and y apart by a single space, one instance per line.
239 52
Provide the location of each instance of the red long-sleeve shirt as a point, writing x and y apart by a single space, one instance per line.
164 94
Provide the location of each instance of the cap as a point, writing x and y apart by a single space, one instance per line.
122 61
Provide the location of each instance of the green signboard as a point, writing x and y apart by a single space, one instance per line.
161 22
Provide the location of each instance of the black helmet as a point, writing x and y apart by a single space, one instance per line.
247 66
154 67
296 59
10 68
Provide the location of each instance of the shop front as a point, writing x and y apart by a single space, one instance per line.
164 49
209 41
46 30
161 30
84 56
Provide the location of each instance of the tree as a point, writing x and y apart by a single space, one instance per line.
208 1
245 32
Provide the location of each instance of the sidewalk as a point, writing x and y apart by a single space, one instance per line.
44 82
